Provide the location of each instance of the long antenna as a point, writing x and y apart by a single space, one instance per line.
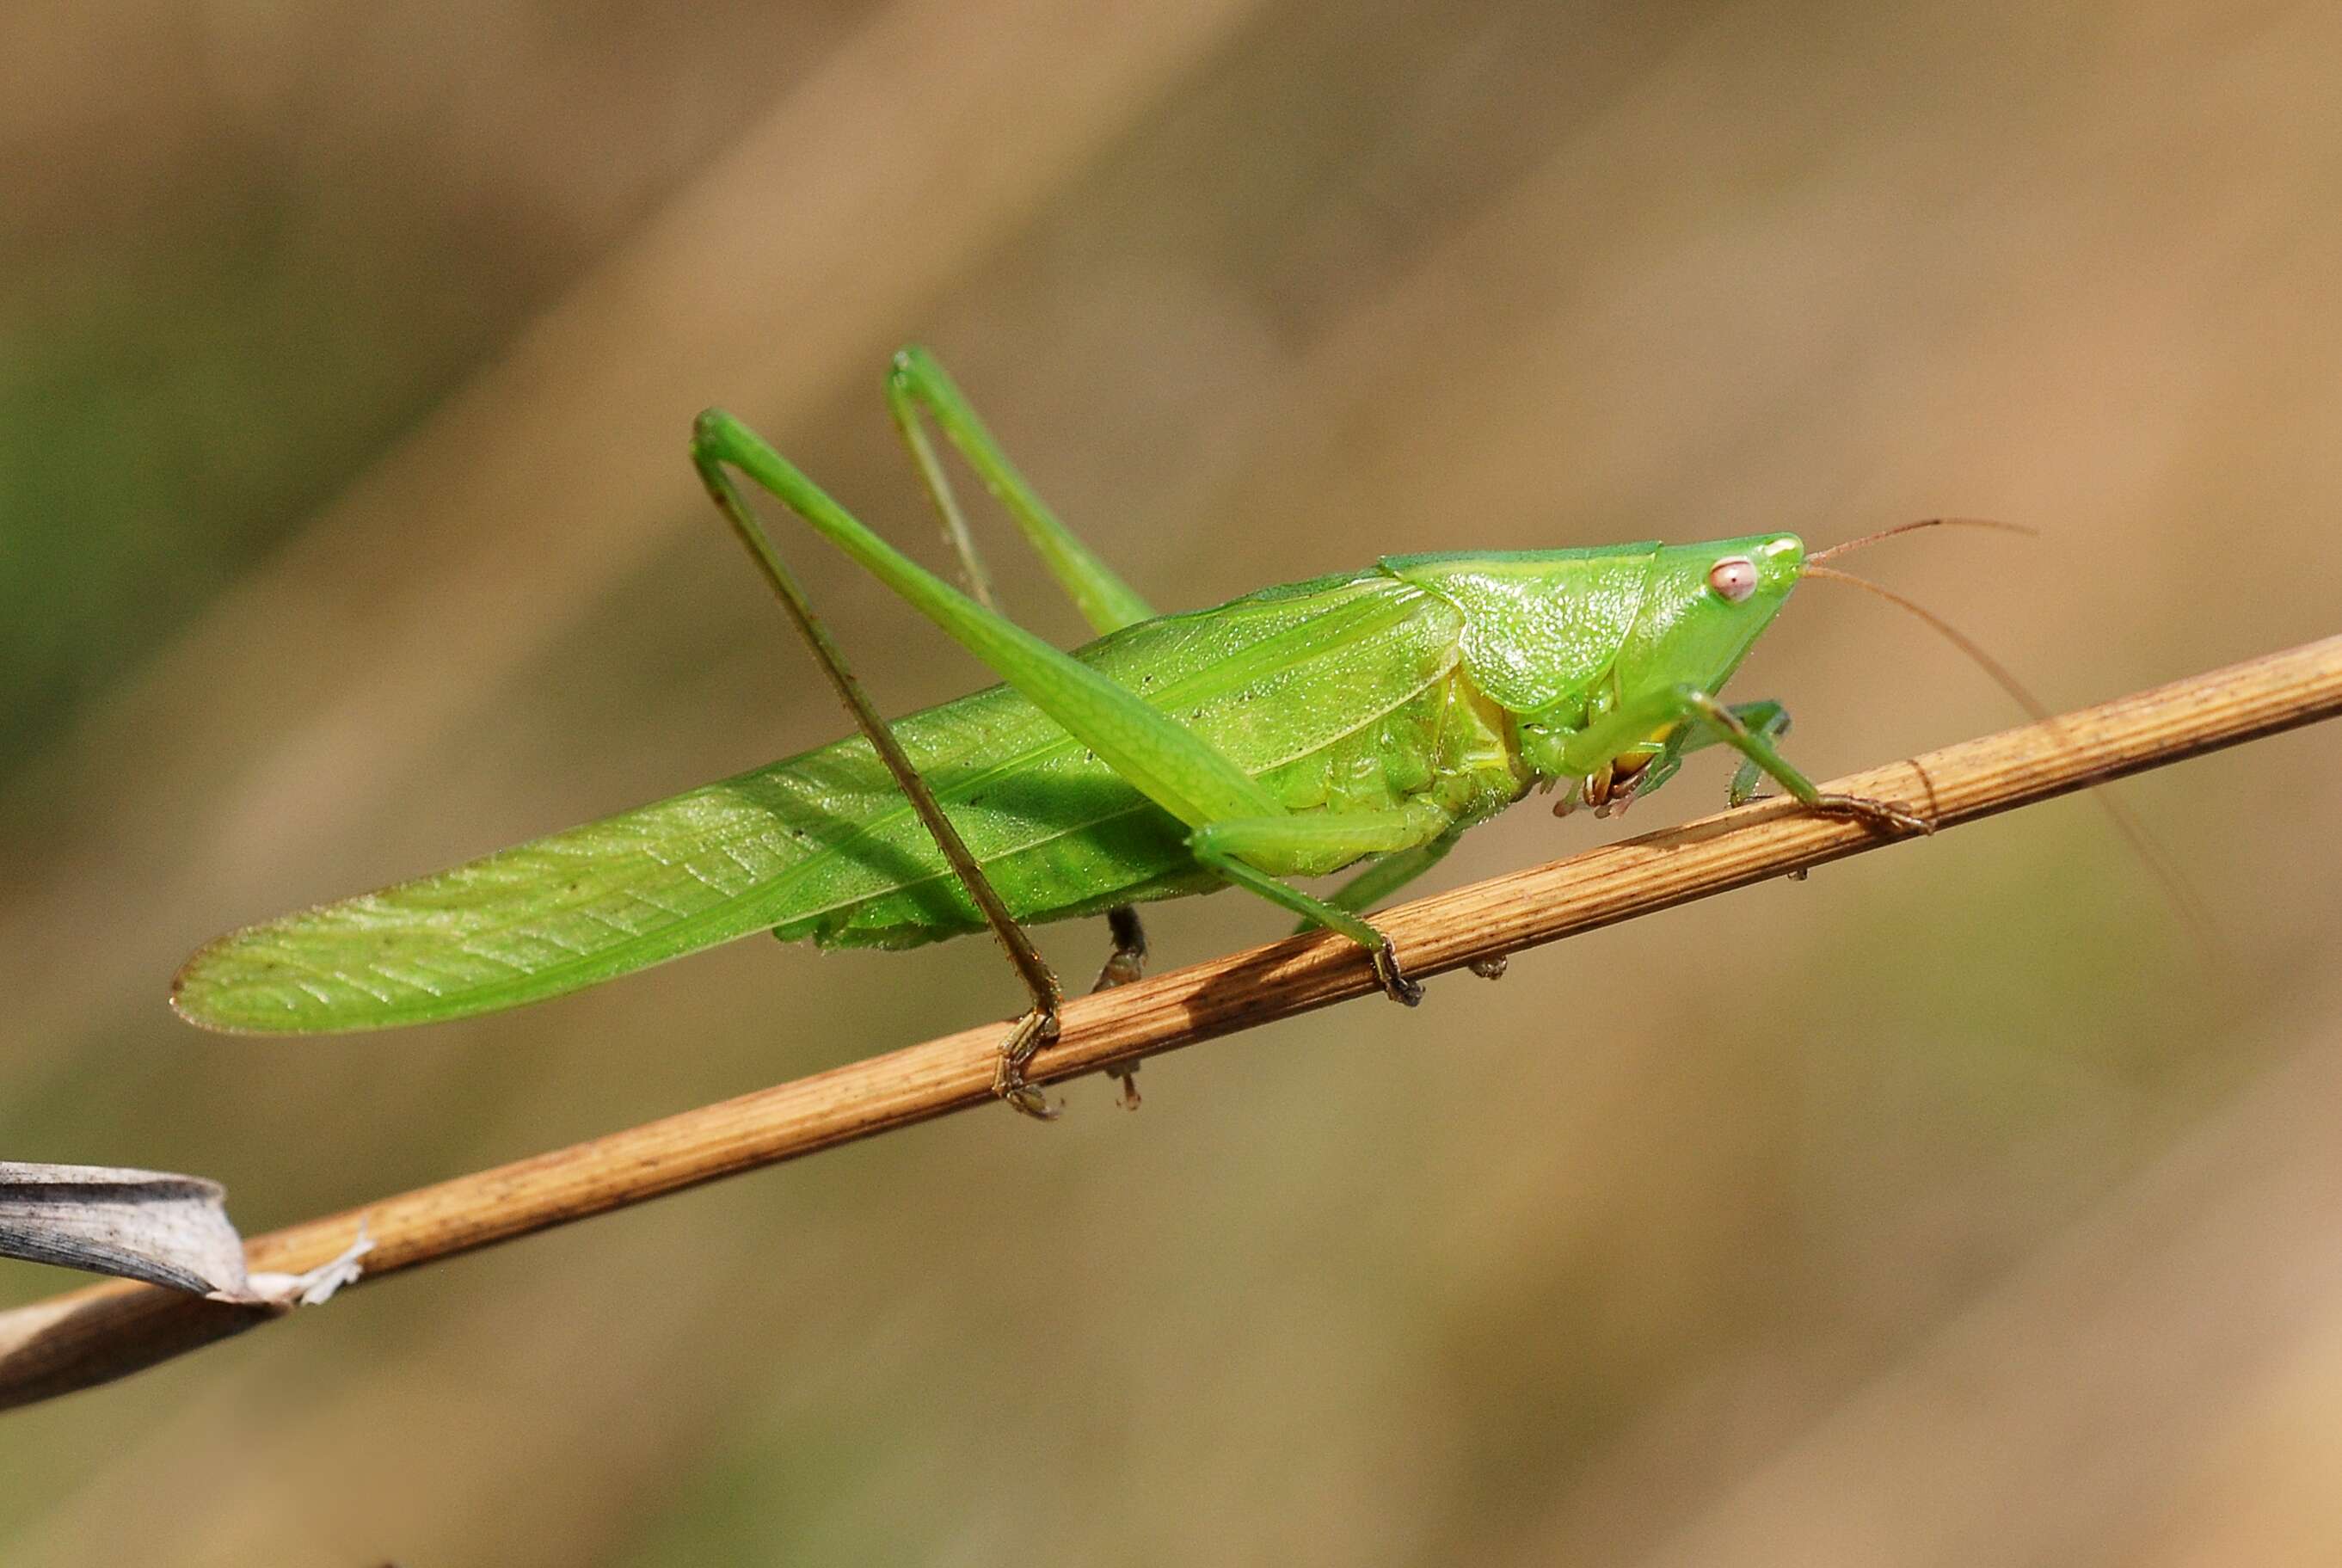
2183 897
1840 549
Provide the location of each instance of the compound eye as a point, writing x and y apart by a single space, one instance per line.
1734 578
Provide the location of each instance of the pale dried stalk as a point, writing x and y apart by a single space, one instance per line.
95 1334
158 1227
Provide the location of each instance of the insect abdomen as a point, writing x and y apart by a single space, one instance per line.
1332 698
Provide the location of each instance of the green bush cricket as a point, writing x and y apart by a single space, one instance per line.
1368 716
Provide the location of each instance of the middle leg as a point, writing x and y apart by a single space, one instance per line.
1256 853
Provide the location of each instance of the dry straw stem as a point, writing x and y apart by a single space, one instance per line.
92 1335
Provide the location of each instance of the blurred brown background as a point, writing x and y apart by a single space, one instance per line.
1946 1209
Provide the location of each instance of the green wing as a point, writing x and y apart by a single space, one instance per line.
822 845
544 918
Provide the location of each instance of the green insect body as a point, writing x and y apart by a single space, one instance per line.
1418 686
1370 716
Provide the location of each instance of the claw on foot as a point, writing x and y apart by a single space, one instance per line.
1492 967
1028 1098
1395 984
1880 816
1032 1032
